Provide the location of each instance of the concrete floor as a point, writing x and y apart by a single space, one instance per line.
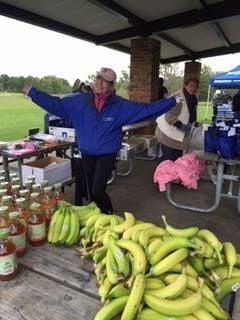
136 193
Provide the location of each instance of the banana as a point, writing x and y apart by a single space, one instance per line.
211 263
197 264
74 228
104 289
128 223
121 259
169 245
177 307
140 226
112 309
153 283
185 233
170 261
227 286
111 268
135 235
103 220
99 254
149 233
139 258
238 260
154 245
58 226
149 314
212 240
223 272
65 228
231 256
202 314
134 299
53 221
203 248
119 290
173 290
92 220
214 309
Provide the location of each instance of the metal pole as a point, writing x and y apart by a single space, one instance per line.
208 96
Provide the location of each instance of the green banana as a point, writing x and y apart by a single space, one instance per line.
153 283
103 220
226 287
65 228
170 261
214 309
119 290
112 309
121 259
104 289
173 290
203 314
185 233
127 235
128 223
149 314
58 226
212 240
203 248
53 221
177 307
99 254
139 258
197 264
74 228
231 256
153 246
167 246
211 263
149 233
223 272
134 299
92 220
111 268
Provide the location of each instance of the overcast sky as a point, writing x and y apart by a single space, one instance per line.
29 50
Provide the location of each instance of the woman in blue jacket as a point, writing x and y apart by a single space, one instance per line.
98 118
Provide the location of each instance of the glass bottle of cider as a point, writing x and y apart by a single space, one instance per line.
21 205
17 233
4 218
36 226
48 203
8 257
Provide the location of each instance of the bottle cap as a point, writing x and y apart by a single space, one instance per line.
4 184
44 183
4 233
35 195
3 210
14 215
57 186
15 181
16 187
24 193
2 179
36 187
6 199
35 206
20 201
3 192
47 189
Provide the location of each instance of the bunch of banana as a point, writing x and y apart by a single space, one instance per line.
64 226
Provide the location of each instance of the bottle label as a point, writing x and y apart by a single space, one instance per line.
37 232
7 264
19 241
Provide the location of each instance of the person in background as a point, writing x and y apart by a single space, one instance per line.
236 102
216 101
226 98
174 126
162 90
76 86
98 118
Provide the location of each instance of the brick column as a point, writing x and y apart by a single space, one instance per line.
144 72
192 70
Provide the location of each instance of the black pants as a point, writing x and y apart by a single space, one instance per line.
170 153
97 170
80 181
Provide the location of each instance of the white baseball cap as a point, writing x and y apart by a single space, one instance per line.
108 74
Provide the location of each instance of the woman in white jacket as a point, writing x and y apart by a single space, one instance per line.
174 126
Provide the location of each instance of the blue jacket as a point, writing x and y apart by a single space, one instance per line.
99 133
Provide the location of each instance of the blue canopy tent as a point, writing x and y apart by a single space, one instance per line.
228 80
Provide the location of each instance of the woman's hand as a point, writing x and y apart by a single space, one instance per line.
26 89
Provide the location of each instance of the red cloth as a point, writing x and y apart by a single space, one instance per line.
99 101
186 169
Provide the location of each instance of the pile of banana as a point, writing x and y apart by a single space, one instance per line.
148 272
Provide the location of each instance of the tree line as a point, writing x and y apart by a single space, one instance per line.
171 73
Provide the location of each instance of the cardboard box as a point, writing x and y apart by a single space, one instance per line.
52 169
63 134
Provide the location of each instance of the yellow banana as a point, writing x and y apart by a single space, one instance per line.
134 299
92 219
203 314
222 272
139 258
149 314
227 286
153 246
103 220
140 226
203 248
212 240
185 233
104 289
214 309
119 290
58 226
99 254
53 221
177 307
197 264
149 233
230 255
65 228
111 268
169 245
121 259
112 309
173 290
170 261
153 283
128 223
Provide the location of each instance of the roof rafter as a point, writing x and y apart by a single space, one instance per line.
223 9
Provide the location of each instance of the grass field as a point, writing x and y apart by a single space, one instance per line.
18 114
